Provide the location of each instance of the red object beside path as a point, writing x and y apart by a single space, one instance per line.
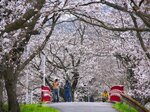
115 93
46 94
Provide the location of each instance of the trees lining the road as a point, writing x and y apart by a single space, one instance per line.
17 28
97 27
129 22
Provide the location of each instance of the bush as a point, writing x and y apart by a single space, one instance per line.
123 107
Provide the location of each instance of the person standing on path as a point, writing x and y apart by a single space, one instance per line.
56 91
67 91
105 96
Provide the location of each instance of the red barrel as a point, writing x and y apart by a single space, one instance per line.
46 94
115 93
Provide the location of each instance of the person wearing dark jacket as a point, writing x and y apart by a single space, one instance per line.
67 91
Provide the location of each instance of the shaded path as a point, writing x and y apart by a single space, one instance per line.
83 107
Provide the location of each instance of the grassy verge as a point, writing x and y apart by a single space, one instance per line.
4 108
122 107
33 108
36 108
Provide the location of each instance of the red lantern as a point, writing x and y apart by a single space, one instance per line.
115 93
46 94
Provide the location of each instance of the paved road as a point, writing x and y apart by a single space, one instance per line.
83 107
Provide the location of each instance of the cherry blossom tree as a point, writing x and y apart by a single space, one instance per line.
21 21
128 20
81 50
99 33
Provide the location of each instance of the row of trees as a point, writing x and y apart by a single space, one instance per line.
79 40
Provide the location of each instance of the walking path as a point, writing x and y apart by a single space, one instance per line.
83 107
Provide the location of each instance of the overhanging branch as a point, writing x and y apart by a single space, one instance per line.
96 22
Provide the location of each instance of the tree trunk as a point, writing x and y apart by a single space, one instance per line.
72 93
75 82
10 85
1 94
13 105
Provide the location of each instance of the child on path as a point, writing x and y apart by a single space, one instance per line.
105 96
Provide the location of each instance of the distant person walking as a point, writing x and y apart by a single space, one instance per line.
67 91
105 96
56 91
91 98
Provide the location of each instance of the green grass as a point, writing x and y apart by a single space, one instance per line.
4 108
122 107
36 108
33 108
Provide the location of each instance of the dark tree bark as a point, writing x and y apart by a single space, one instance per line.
1 93
10 85
75 82
13 105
